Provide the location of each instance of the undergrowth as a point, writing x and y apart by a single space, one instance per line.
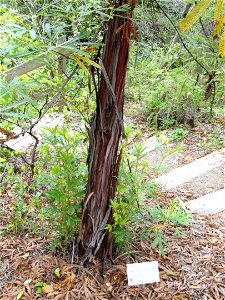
171 89
133 217
51 206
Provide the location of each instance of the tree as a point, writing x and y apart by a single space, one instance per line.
105 134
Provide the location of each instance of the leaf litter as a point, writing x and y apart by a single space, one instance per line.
192 269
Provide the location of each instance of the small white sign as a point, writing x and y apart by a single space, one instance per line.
142 273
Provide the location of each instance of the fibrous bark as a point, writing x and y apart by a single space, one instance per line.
105 134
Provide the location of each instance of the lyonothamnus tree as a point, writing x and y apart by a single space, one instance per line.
105 134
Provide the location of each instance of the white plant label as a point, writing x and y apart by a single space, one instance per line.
142 273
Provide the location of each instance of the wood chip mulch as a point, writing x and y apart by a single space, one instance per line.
193 268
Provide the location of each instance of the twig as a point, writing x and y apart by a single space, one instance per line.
46 106
203 29
6 147
88 272
181 39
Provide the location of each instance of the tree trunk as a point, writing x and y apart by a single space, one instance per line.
104 138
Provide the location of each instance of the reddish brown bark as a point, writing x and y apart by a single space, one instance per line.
105 135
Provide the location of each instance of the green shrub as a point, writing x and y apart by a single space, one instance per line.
56 193
64 174
132 216
179 134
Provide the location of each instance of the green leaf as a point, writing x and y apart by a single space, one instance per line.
155 242
57 272
15 115
47 29
108 227
177 149
55 170
20 32
40 284
38 291
161 249
13 105
33 34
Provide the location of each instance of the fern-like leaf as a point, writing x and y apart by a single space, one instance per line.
80 64
194 15
218 10
218 27
80 60
221 51
89 61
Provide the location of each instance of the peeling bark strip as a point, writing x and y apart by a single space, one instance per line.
105 134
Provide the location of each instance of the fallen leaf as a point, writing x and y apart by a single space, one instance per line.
28 281
25 256
172 273
110 288
214 240
20 295
57 272
48 289
69 280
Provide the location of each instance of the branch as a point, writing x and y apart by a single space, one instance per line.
203 29
181 39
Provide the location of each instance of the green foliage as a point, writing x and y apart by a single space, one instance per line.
179 134
167 123
51 206
64 179
152 24
132 191
34 28
16 102
215 138
163 147
13 182
161 220
173 80
170 95
132 216
3 162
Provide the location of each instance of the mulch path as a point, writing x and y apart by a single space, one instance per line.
193 268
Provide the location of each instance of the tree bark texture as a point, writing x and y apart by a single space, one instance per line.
104 139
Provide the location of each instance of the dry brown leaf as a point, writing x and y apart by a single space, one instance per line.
179 297
48 289
68 281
